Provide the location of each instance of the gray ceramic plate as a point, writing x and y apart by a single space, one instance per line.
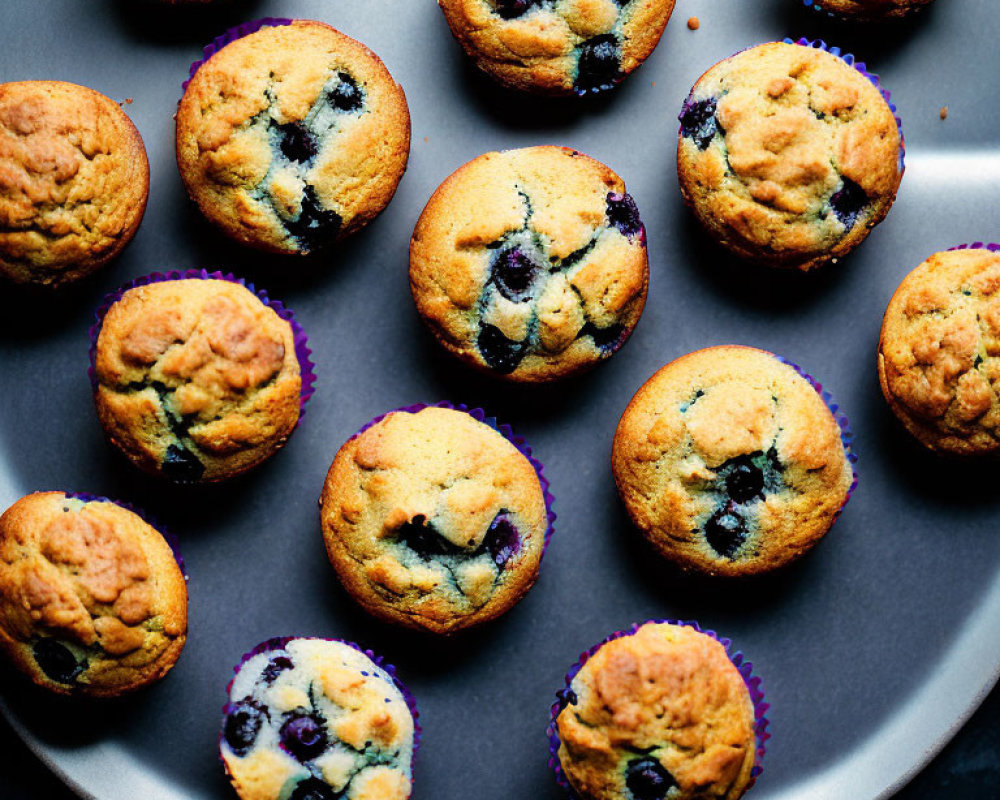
873 649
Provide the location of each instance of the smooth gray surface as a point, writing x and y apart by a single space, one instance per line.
873 649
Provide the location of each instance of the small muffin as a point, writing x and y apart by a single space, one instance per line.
292 137
558 46
867 10
939 352
73 181
730 462
92 600
196 379
787 155
530 264
317 719
660 713
434 520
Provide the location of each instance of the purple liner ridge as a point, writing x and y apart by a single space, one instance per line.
230 36
504 430
745 668
993 247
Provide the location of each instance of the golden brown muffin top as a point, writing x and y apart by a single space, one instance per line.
92 600
788 155
73 181
668 699
197 379
939 352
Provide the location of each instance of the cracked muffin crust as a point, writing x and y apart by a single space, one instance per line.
730 463
787 155
659 714
558 46
316 719
73 181
939 352
92 600
292 137
197 380
530 264
869 10
434 520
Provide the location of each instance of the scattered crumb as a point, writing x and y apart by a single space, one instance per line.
653 83
126 102
944 112
694 23
425 138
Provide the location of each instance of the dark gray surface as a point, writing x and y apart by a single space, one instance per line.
872 649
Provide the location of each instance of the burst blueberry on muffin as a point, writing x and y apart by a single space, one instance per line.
434 520
939 352
317 719
558 46
867 10
292 137
196 378
730 462
92 600
75 181
530 264
788 155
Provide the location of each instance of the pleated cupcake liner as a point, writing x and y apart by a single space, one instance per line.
230 36
993 247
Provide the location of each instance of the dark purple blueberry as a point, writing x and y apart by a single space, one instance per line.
503 540
514 272
275 667
314 789
624 214
303 735
500 353
848 202
744 479
296 143
180 464
56 660
570 698
242 726
347 96
421 537
605 339
646 779
698 121
315 226
509 9
726 530
599 64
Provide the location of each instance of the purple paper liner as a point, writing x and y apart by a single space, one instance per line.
171 539
307 369
993 247
279 643
504 430
744 667
230 36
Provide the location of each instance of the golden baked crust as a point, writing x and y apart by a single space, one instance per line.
666 693
539 50
73 181
872 9
197 379
939 352
97 583
566 214
798 162
274 151
433 520
730 462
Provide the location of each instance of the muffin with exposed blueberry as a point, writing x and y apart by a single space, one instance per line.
196 378
434 519
92 598
318 719
939 352
558 46
866 10
659 712
74 183
530 264
730 462
788 155
292 137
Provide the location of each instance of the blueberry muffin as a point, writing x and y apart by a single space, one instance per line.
868 10
434 520
73 181
196 380
787 155
939 352
530 264
317 719
658 714
92 600
558 46
292 137
730 462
